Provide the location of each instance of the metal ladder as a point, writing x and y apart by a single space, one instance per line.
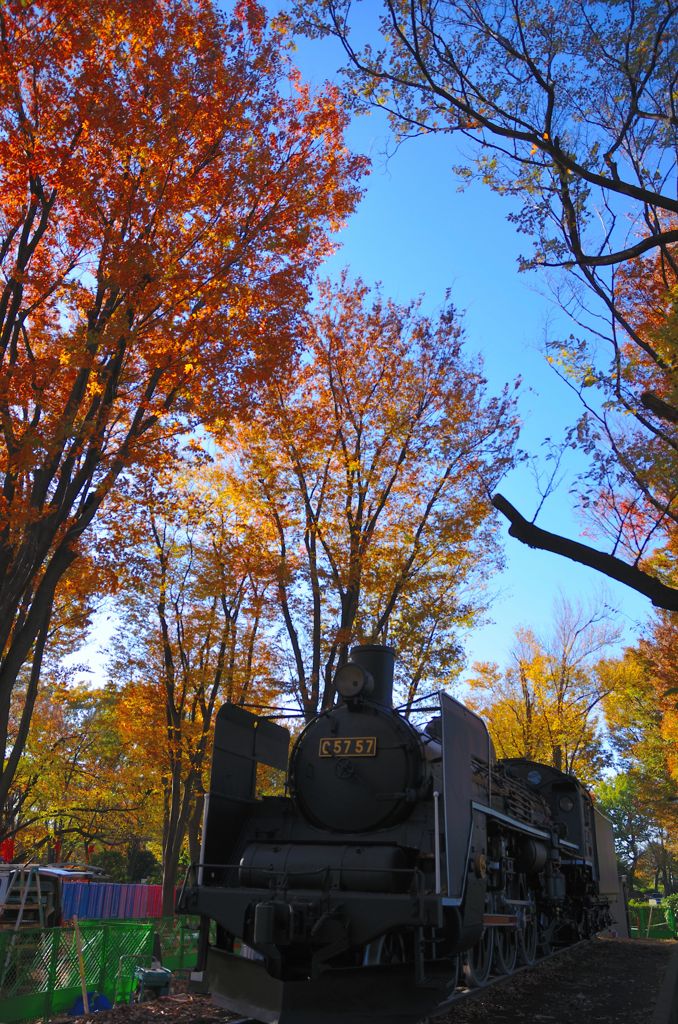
25 882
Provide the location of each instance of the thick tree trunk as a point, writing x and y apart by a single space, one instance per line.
195 829
170 869
175 831
8 677
180 818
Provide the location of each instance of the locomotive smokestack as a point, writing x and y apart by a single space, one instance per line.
378 661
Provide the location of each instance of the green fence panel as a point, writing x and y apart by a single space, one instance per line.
651 922
27 973
177 936
40 973
178 942
39 970
116 949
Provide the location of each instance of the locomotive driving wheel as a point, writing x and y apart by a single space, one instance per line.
545 931
528 937
392 949
453 981
386 950
478 960
505 950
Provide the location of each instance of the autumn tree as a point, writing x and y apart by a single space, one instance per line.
191 610
167 184
370 472
569 108
642 716
634 827
83 586
660 863
76 785
545 705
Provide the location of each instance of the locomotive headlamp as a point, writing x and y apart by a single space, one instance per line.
351 680
566 803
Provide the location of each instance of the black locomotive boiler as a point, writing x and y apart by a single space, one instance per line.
396 859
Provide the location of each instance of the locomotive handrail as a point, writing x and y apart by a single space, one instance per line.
189 869
436 832
299 871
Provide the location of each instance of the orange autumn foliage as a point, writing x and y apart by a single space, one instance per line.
78 781
657 651
642 717
166 186
369 473
192 634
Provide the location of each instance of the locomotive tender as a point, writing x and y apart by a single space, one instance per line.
396 859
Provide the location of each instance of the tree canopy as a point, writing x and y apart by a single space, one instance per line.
78 782
167 184
546 705
642 713
371 473
634 828
189 611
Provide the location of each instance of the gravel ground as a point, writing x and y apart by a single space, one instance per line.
606 981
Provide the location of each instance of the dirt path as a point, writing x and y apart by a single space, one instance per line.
606 981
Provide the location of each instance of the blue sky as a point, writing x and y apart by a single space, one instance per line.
418 234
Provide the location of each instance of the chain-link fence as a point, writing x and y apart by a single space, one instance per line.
40 973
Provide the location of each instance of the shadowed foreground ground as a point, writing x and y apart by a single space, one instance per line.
607 981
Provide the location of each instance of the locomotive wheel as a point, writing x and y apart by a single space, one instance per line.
585 927
505 950
545 936
527 939
387 949
478 960
454 974
393 949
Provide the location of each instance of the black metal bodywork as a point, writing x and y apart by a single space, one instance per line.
352 892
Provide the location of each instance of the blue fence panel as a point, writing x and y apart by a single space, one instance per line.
110 900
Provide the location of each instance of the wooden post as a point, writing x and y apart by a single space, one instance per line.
81 965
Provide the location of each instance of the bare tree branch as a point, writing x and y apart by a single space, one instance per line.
526 532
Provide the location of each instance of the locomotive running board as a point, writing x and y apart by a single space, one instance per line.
350 996
519 826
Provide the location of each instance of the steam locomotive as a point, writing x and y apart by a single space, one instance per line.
397 859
